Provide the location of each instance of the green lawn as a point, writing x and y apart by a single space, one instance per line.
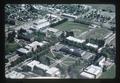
109 74
99 33
68 26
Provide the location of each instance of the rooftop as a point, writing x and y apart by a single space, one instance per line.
52 70
93 69
87 55
23 50
75 39
52 30
87 75
14 75
42 66
35 43
33 63
92 45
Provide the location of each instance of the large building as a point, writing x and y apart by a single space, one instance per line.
72 51
22 51
73 39
88 56
92 45
15 75
41 69
91 72
101 61
40 25
70 17
54 72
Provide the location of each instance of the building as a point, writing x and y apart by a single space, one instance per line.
34 45
92 45
40 25
53 71
30 66
41 69
22 51
54 16
73 39
52 31
101 61
70 17
88 56
91 72
73 51
15 75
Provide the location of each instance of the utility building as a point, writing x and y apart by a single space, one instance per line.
91 72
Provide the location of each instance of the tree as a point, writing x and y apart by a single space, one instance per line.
11 36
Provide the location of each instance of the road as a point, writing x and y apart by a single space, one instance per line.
59 61
20 64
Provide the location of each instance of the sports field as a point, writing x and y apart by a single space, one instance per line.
68 26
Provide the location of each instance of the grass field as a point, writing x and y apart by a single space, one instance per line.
109 74
68 26
99 33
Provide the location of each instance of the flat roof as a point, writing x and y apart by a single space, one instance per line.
87 75
75 39
33 63
42 66
52 70
14 75
69 15
93 69
35 43
23 50
92 45
53 30
87 55
42 25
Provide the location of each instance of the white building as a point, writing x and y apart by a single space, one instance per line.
42 66
101 61
15 75
40 25
70 38
92 72
34 45
87 75
92 45
23 51
54 72
32 64
52 30
54 16
70 16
